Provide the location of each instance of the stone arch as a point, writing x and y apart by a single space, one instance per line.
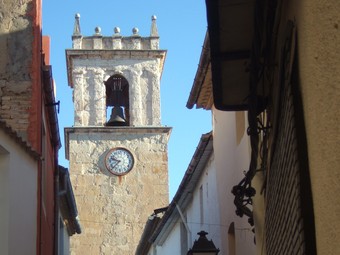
117 95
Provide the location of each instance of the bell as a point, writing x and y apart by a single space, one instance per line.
117 117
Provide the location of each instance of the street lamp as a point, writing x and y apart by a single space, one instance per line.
203 246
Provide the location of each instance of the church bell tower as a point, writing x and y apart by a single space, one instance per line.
117 148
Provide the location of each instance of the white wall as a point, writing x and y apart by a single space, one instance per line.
172 244
19 171
223 170
210 222
232 157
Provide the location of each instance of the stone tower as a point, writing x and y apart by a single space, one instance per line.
117 148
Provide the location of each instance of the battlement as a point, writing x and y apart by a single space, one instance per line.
116 41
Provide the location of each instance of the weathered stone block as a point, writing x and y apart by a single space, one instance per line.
120 203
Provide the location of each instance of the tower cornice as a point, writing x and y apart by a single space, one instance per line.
114 131
72 54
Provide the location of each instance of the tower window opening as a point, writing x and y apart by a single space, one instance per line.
117 101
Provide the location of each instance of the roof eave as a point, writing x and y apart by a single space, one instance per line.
200 82
51 105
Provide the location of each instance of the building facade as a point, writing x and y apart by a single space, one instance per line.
29 134
272 66
231 153
117 148
204 201
200 204
18 212
279 65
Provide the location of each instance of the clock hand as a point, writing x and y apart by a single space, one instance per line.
117 162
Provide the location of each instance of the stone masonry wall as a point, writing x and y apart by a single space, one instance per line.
20 67
113 210
143 76
16 40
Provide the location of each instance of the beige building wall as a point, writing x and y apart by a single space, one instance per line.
318 40
18 199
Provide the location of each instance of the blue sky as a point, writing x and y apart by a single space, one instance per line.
181 25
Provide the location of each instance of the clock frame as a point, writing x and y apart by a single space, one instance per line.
119 161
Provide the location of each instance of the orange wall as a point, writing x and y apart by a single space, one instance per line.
46 215
34 128
46 42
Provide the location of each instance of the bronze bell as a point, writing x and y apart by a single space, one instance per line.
117 117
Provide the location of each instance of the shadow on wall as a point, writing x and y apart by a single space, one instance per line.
20 69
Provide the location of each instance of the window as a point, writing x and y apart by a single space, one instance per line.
117 101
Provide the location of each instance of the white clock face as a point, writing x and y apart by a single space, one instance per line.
119 161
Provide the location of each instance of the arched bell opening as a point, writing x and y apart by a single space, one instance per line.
117 101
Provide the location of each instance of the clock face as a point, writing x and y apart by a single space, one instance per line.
119 161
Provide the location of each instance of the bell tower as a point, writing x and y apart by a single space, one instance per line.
117 148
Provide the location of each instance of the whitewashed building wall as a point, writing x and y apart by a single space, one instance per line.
18 198
232 157
211 207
